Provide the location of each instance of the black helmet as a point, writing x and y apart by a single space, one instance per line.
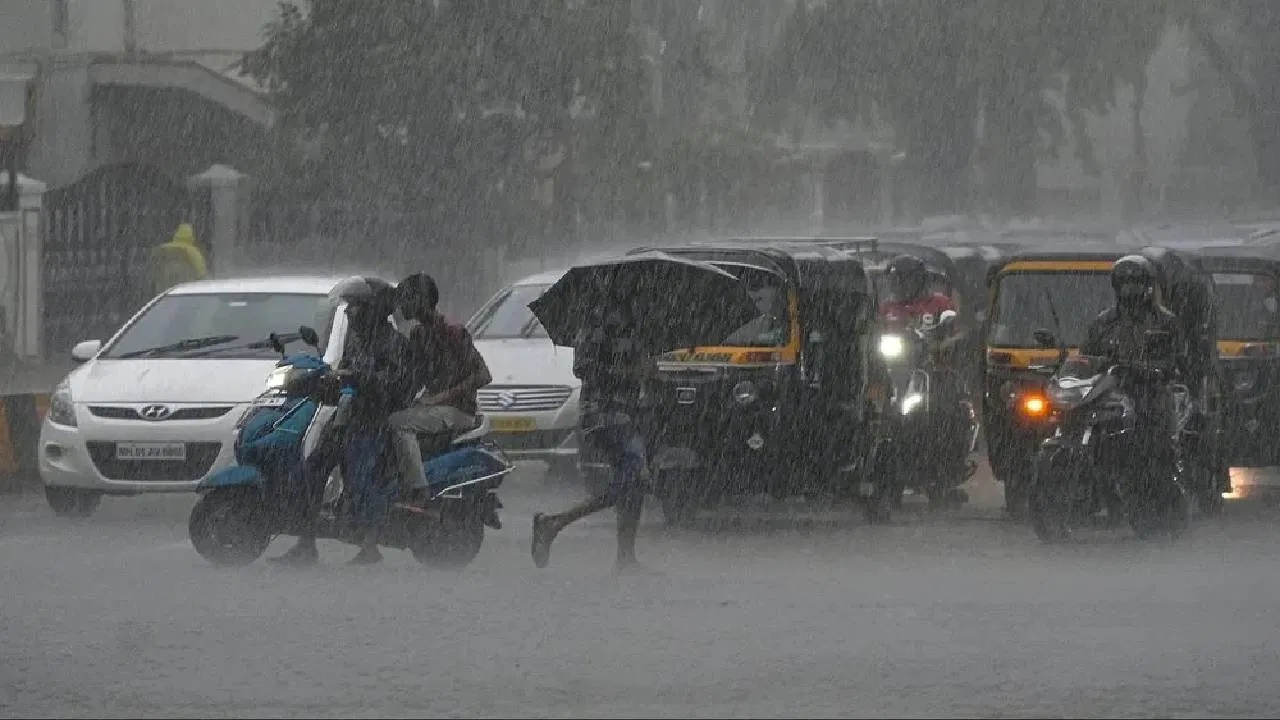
908 276
1133 278
418 292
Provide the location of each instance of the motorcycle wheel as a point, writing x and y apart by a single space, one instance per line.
451 541
1048 499
228 528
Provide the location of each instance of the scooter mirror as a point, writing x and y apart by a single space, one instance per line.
309 336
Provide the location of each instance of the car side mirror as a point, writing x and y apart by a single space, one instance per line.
309 336
83 352
1045 339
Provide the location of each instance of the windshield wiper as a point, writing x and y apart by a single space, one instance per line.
284 338
188 344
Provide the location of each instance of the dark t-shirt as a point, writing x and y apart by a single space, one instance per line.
444 355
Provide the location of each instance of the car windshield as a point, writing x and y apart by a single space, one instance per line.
509 316
769 328
1247 306
221 325
1023 306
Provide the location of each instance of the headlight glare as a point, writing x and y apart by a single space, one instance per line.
892 346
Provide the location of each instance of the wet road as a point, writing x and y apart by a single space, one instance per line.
937 615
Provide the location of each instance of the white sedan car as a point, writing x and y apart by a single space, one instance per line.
533 399
154 409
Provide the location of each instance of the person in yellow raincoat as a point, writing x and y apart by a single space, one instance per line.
179 260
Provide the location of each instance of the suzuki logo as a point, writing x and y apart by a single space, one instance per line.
506 399
155 412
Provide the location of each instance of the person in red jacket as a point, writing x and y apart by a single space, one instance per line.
910 300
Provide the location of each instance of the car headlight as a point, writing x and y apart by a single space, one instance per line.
911 402
745 392
892 346
61 410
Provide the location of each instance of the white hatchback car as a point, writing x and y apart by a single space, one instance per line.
533 399
154 409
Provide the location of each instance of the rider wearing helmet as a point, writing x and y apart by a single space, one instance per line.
375 355
910 298
1120 334
1121 329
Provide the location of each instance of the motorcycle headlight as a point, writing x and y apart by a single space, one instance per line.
61 410
745 392
892 346
911 402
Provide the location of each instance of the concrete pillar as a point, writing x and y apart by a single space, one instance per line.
226 199
22 269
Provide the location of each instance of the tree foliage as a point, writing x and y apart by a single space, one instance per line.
436 106
942 75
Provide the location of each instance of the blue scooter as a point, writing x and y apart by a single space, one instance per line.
440 518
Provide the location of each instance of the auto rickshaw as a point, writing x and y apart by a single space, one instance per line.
1247 295
781 406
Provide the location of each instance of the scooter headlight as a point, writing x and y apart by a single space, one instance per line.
892 347
911 402
745 392
276 380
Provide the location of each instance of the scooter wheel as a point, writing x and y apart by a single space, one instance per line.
227 529
450 542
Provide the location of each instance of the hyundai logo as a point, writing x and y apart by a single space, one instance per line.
506 399
155 412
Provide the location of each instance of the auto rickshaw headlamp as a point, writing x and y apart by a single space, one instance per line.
892 346
745 392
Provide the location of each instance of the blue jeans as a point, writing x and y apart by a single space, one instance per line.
616 436
371 491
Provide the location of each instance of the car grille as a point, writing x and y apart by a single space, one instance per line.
523 398
128 413
535 440
200 457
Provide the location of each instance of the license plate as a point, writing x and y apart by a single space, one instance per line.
151 451
513 424
686 395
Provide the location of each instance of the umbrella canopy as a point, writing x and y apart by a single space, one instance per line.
677 302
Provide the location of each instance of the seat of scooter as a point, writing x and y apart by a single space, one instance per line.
432 444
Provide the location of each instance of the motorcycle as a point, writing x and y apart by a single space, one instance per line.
1099 457
440 519
928 410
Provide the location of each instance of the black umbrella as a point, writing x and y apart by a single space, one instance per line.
677 302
